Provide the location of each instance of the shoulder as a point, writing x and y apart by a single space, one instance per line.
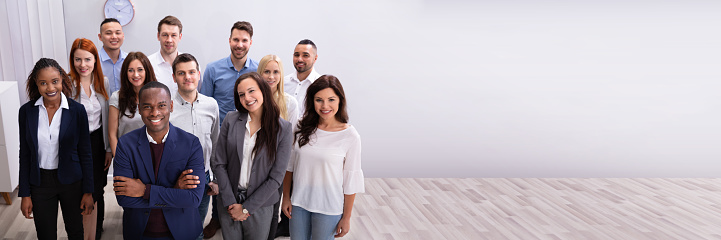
74 105
28 105
216 63
351 132
284 124
207 100
132 136
180 133
184 138
154 58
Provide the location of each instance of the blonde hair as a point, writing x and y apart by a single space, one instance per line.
279 94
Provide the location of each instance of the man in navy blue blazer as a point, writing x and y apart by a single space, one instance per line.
149 162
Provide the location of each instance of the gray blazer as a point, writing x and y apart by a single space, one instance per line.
103 111
265 180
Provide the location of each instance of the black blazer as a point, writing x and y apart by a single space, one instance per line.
75 161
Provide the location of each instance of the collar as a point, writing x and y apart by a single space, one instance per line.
105 57
312 76
230 63
160 59
182 101
151 140
247 126
63 102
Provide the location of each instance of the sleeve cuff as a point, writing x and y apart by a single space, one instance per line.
353 182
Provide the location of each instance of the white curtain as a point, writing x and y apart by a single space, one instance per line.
30 30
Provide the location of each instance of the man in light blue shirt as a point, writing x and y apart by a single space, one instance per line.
220 76
111 57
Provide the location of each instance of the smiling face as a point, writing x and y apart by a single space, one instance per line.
111 34
326 103
250 96
240 42
84 62
169 37
50 84
155 108
304 57
136 73
186 75
271 75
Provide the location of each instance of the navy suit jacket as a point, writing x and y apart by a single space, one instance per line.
133 159
75 162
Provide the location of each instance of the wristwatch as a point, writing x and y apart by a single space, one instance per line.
245 211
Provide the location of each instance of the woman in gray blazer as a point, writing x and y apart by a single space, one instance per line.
250 159
90 88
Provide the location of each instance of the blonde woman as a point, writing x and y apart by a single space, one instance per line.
271 69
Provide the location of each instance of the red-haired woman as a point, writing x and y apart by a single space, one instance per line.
90 88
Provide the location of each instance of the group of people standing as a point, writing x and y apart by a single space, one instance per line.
257 143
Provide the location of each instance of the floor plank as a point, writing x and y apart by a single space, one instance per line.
501 208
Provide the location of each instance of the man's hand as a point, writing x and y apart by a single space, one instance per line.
87 204
236 212
108 160
214 190
187 181
26 207
130 187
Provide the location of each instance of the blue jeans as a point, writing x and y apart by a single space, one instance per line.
203 207
305 225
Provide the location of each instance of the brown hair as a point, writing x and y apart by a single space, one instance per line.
127 97
32 87
309 123
244 26
98 78
268 134
172 21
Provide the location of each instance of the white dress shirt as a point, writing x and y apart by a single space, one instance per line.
291 105
48 134
247 164
199 118
92 107
151 140
163 70
297 88
326 169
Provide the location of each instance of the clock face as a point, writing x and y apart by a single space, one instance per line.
120 9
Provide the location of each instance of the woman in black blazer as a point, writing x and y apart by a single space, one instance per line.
55 162
249 160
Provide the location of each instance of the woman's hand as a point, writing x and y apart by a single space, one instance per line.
286 206
236 212
87 204
343 227
26 207
108 160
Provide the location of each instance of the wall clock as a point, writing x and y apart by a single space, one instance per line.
123 10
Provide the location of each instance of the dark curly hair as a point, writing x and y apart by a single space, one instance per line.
127 97
31 84
309 122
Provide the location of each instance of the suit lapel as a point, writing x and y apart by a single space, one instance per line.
145 155
168 150
240 134
64 122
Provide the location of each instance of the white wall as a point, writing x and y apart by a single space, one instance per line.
489 88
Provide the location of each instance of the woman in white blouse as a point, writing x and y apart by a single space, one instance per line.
325 166
136 72
90 88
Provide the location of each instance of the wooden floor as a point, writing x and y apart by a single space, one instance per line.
502 208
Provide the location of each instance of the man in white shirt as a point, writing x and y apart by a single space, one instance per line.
197 114
170 31
296 84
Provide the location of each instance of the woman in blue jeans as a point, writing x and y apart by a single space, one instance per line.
325 166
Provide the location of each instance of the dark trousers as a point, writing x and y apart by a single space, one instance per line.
45 206
100 175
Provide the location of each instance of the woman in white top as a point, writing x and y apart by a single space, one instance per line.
136 72
325 166
90 88
271 69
